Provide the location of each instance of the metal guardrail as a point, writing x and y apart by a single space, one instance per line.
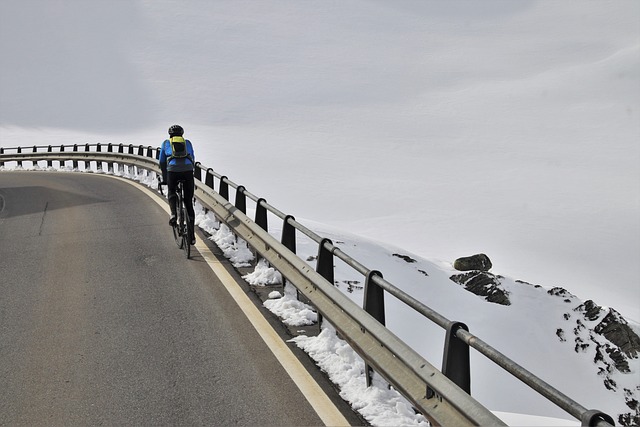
443 396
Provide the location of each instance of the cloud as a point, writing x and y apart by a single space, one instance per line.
65 64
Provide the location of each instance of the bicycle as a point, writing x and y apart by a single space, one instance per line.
182 225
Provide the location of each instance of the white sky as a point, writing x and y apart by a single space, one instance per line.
504 127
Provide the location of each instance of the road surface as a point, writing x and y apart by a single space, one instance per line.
103 320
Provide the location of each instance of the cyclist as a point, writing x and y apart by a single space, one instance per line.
177 161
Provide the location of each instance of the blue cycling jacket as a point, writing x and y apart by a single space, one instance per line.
176 165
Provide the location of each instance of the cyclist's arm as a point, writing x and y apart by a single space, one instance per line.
192 154
163 161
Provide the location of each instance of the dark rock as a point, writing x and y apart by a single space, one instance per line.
483 284
580 345
590 309
599 357
619 360
474 262
522 282
353 285
629 419
560 292
406 258
610 384
616 329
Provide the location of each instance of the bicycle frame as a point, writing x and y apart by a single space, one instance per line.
182 225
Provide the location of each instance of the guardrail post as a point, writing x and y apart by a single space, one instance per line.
455 362
593 417
19 161
75 162
374 297
224 188
49 162
197 171
120 151
324 266
63 163
87 163
241 199
131 168
208 178
1 162
110 164
261 219
374 305
288 238
261 215
35 162
99 163
145 172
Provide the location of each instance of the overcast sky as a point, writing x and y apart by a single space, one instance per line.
90 64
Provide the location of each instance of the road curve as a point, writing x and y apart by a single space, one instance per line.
103 320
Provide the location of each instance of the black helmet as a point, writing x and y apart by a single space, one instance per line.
176 130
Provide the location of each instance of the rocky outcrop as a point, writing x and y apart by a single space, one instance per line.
406 258
607 337
590 310
483 284
611 326
479 262
615 329
562 293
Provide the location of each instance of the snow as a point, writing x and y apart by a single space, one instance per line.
263 275
237 251
526 331
378 404
433 130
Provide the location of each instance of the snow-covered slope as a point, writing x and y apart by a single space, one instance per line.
589 353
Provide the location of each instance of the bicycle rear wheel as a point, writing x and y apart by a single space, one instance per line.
179 226
176 234
186 239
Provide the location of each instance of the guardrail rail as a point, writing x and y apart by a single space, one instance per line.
442 396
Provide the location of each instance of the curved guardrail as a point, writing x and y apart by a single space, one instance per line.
443 396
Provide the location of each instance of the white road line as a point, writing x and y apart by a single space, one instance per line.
314 394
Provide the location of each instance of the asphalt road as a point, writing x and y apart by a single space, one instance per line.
103 320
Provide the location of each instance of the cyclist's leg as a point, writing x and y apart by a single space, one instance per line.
172 184
189 187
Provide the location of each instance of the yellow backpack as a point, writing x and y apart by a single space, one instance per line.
178 148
